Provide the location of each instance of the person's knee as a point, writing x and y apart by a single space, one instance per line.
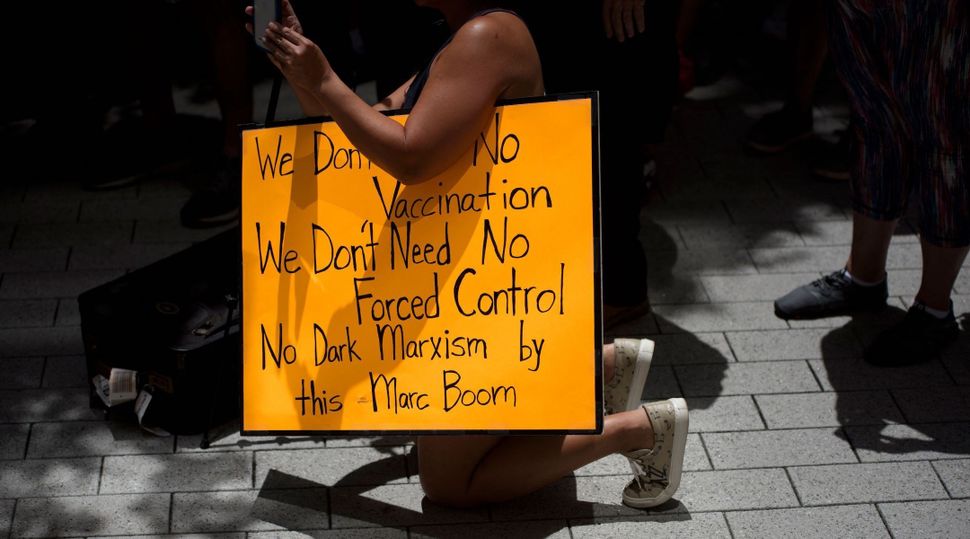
447 491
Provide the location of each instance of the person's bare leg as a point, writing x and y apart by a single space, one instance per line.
941 266
609 362
687 20
870 245
229 49
806 27
472 470
147 61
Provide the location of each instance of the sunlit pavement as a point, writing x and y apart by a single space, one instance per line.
791 433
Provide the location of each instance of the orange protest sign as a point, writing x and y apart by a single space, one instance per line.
469 302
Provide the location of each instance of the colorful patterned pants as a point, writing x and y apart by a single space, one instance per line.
906 67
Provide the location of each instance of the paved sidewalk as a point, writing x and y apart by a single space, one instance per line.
792 434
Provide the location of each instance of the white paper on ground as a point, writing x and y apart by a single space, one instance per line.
141 406
124 386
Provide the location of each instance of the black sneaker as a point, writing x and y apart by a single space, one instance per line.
208 209
777 131
835 294
136 152
832 160
218 203
918 338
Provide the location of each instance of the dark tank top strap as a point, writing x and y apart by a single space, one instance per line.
414 91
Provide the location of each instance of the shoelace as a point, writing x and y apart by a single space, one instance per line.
833 281
650 475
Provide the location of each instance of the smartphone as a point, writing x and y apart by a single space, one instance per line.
264 12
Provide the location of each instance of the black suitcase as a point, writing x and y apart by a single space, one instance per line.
176 323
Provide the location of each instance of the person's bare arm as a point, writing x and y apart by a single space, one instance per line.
312 106
309 104
455 105
395 99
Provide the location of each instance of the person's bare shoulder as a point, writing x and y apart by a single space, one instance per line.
502 41
497 32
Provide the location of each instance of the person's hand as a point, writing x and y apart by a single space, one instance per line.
623 19
300 60
288 18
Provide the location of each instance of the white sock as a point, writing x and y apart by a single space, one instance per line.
860 282
935 312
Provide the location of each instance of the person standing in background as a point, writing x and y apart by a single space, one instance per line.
906 67
627 50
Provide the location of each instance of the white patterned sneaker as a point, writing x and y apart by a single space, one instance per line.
657 470
630 367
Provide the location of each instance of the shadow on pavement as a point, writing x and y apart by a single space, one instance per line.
288 502
684 364
890 414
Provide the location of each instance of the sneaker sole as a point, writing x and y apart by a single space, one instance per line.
640 371
822 314
816 316
676 461
778 148
212 220
117 183
786 316
136 177
832 175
